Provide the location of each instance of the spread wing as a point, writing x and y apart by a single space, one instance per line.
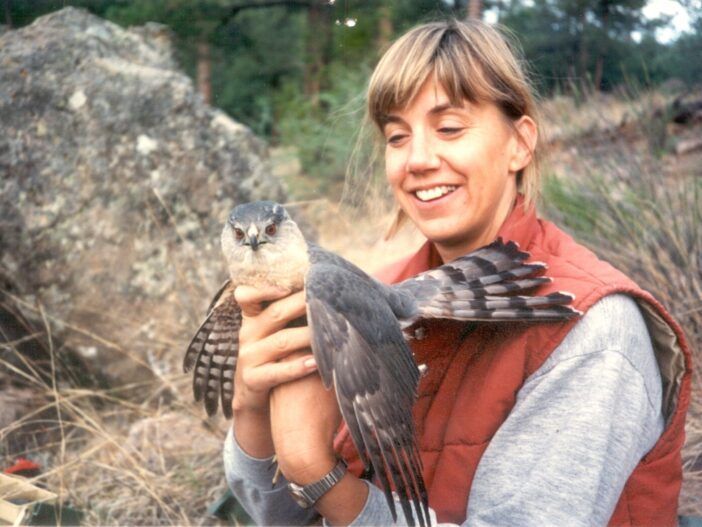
361 351
213 352
481 286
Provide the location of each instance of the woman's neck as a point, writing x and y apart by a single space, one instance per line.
450 251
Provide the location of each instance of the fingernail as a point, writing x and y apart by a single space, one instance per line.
310 363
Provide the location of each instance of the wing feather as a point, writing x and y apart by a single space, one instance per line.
361 351
481 286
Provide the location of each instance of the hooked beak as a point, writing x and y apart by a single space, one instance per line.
253 242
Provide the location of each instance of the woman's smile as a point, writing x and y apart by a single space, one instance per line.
434 193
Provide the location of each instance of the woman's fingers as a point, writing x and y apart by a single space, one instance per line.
268 362
254 383
258 321
285 310
265 377
276 346
252 300
269 353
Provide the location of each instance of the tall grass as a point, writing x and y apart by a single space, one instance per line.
121 459
648 224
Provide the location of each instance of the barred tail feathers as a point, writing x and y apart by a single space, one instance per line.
212 354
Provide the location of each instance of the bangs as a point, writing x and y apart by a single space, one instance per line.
437 50
400 74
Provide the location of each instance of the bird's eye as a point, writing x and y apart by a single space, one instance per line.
239 234
271 229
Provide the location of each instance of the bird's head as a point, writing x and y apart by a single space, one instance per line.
259 230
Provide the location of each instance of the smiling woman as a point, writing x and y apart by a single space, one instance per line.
571 423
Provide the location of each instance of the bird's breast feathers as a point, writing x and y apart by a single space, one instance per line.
283 267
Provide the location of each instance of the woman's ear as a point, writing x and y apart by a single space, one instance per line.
527 134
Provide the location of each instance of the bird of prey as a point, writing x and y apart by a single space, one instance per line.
357 328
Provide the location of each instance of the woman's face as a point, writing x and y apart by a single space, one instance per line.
453 169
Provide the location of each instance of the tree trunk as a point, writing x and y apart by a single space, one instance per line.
204 71
599 66
319 30
603 44
8 14
475 9
385 29
582 49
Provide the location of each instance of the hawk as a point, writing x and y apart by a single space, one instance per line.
357 325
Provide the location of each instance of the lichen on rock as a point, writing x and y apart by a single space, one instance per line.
115 178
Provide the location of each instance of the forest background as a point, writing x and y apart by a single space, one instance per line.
295 71
623 135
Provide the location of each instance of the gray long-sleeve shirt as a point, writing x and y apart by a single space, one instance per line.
579 427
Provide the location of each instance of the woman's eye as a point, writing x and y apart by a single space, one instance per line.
239 234
271 229
395 139
449 130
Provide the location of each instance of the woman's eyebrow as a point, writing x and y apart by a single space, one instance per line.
441 108
438 109
390 118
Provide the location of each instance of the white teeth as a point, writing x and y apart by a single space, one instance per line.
436 192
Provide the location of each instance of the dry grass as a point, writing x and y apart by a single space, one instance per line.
121 459
570 120
360 238
647 220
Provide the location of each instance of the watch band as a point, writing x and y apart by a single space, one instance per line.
307 495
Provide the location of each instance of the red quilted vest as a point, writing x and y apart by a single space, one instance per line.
474 377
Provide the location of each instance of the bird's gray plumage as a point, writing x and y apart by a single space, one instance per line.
357 330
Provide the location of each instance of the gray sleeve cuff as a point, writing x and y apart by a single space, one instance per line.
251 482
374 512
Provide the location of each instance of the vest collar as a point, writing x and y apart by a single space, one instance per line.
521 224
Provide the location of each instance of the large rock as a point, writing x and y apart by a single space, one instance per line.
115 178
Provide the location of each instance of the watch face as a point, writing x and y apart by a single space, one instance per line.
296 493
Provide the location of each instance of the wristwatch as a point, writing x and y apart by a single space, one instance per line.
307 495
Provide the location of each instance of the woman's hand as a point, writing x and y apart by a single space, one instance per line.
304 418
264 342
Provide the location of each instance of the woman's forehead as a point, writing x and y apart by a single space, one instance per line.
432 97
433 91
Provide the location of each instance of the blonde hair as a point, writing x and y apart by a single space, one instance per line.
471 61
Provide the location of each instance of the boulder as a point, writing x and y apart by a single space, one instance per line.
115 179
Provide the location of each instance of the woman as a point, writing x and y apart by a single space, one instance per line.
572 423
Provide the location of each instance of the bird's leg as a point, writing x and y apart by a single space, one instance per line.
276 476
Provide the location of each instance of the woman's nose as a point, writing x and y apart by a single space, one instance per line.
422 156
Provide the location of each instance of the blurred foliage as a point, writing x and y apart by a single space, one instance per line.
279 68
677 60
563 40
646 223
324 133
